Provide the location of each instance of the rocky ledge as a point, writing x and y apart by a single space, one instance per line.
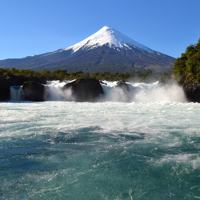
4 89
33 91
81 90
86 89
192 93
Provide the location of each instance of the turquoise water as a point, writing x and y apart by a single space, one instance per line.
99 151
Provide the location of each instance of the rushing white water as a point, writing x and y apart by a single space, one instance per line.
106 150
16 93
145 92
54 90
139 92
148 148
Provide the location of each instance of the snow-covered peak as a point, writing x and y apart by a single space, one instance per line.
108 36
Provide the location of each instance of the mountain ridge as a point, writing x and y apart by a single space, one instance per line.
107 50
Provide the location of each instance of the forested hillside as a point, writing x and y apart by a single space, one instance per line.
187 66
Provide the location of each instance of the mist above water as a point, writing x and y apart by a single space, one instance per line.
145 92
138 92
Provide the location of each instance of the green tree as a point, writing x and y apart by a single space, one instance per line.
187 67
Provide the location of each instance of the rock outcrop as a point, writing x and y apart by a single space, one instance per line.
127 90
192 93
85 89
33 91
4 89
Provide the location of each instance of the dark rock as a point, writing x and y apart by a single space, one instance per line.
124 86
192 93
127 89
85 89
4 89
33 91
103 83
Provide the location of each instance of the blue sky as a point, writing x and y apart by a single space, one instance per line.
30 27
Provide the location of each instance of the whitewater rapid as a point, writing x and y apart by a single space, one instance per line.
106 150
139 92
145 149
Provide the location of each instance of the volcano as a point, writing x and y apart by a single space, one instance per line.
107 50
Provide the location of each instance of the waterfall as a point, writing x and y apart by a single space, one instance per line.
16 93
139 92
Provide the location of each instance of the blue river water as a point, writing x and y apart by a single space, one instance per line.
99 151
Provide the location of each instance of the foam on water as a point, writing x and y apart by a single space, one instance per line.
139 92
145 92
106 150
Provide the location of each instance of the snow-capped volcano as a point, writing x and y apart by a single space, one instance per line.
110 37
107 50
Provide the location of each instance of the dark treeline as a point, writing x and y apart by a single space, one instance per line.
21 75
